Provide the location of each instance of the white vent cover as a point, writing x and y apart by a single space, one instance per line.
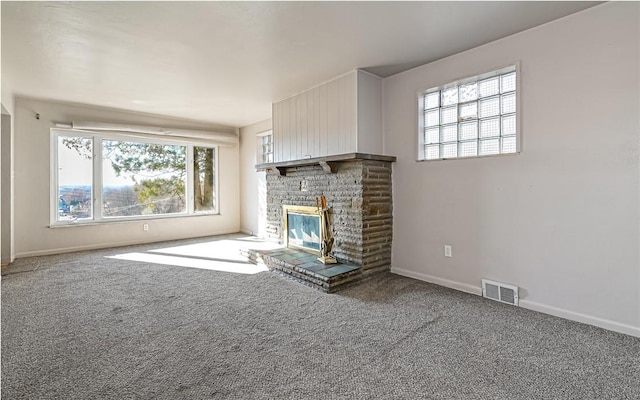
500 292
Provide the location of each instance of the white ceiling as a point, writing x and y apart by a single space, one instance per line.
226 62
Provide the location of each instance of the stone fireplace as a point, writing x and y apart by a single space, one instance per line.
359 197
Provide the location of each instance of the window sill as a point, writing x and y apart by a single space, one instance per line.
470 157
117 221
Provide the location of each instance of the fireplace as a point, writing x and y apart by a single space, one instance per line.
350 227
357 188
302 227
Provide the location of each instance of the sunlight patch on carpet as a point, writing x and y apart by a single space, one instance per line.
193 262
219 249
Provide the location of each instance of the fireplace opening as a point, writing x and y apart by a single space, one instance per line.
303 227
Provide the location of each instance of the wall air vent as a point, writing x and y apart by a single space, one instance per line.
500 292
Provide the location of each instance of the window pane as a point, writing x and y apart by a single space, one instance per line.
450 150
468 92
489 107
490 127
468 130
432 152
508 82
509 125
75 178
204 175
469 111
432 118
490 146
432 135
450 96
488 87
449 115
142 178
509 103
449 133
469 149
509 144
432 100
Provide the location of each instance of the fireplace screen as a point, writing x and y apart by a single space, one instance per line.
303 227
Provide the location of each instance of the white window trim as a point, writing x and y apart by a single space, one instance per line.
420 142
97 184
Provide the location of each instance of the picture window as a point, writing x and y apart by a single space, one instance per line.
98 178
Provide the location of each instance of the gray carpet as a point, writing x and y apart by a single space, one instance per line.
82 326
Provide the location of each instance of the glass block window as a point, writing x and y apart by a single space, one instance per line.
470 118
265 148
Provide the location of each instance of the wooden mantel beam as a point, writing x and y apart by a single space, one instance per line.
329 163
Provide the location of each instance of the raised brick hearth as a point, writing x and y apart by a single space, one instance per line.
305 268
359 195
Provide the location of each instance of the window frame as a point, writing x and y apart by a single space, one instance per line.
420 142
98 183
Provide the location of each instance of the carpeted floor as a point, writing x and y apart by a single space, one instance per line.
86 326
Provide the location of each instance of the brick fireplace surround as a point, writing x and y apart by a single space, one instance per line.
359 195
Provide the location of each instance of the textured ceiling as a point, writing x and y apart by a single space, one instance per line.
226 62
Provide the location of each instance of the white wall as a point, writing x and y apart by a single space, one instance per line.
561 219
337 117
6 212
253 201
317 122
32 191
7 248
369 114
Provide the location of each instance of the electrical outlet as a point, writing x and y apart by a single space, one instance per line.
448 251
145 227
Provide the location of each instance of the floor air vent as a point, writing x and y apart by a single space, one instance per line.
500 292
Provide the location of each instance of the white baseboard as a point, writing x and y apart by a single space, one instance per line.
7 260
463 287
530 305
579 317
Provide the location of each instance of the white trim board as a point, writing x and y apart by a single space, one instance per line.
463 287
527 304
579 317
